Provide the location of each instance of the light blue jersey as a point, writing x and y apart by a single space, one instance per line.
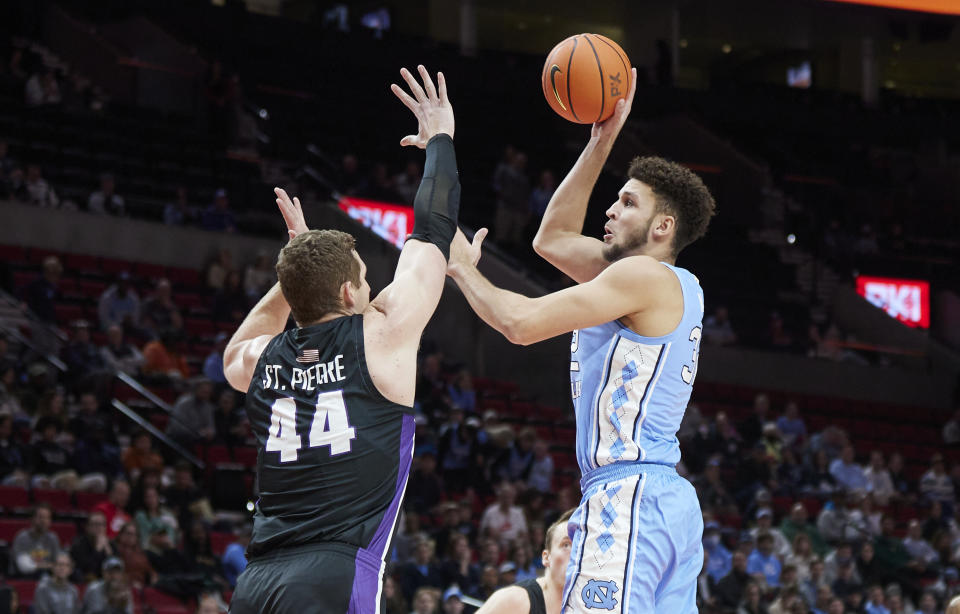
637 532
629 391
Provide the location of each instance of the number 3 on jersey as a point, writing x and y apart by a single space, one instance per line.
689 373
329 427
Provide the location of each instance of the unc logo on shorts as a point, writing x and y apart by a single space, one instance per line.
599 594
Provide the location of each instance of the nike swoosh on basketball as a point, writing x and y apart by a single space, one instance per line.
553 74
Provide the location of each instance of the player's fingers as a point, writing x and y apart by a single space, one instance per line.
414 86
480 236
633 84
410 139
442 86
296 201
281 194
405 98
427 82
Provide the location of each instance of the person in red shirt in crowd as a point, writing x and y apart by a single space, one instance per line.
113 508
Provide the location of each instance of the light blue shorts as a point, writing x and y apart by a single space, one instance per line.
636 542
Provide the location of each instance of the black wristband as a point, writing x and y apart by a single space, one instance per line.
437 204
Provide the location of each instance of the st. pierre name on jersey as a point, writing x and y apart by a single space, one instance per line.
304 379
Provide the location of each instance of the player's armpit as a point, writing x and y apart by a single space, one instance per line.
411 298
509 600
240 361
578 256
626 287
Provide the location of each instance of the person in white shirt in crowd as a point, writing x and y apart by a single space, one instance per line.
36 547
918 548
879 483
120 355
119 304
936 485
106 199
37 190
845 470
504 520
792 427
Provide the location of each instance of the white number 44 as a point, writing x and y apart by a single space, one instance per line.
330 426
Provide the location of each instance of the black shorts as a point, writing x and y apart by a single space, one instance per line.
327 578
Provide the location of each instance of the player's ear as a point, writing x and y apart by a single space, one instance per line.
348 294
545 559
665 224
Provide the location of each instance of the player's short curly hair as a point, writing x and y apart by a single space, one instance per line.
311 269
679 192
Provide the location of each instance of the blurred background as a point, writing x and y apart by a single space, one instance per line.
139 145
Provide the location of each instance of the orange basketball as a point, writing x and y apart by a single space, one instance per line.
584 77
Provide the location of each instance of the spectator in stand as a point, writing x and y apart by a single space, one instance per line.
503 520
42 88
764 562
425 600
96 459
153 517
422 571
119 304
234 558
798 523
213 363
135 561
928 604
83 358
55 594
106 199
901 484
791 425
92 548
922 553
36 190
518 460
512 189
119 355
936 485
114 508
540 476
951 430
161 357
112 594
425 487
42 294
230 422
350 180
380 186
752 602
719 561
198 552
781 546
219 269
159 312
259 276
52 465
846 582
778 337
218 217
14 456
848 474
230 303
191 420
541 195
751 429
868 567
140 455
713 491
717 329
461 392
879 483
731 587
178 212
185 498
35 548
407 182
801 557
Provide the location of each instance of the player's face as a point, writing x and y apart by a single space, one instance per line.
555 559
361 295
629 218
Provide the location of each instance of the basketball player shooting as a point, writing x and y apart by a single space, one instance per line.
330 401
636 320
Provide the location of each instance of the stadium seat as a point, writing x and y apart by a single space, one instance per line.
13 254
14 498
219 540
59 500
25 591
246 456
161 601
86 501
66 531
9 527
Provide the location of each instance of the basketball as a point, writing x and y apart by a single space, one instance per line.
584 77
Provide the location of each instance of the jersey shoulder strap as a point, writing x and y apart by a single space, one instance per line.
535 593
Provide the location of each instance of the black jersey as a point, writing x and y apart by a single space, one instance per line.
334 453
535 593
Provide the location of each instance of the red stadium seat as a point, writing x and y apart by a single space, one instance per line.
161 601
23 278
9 527
217 455
13 254
112 266
59 500
81 263
14 497
66 531
184 278
246 456
25 590
150 271
87 500
36 254
91 288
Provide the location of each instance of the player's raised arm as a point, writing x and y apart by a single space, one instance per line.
268 318
409 301
560 239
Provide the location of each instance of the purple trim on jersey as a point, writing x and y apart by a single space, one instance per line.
370 561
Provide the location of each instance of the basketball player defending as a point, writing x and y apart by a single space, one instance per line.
330 401
636 323
541 595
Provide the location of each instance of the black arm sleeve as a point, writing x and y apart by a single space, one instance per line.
437 204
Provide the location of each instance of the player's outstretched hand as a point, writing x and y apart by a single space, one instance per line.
430 106
610 127
292 213
464 252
